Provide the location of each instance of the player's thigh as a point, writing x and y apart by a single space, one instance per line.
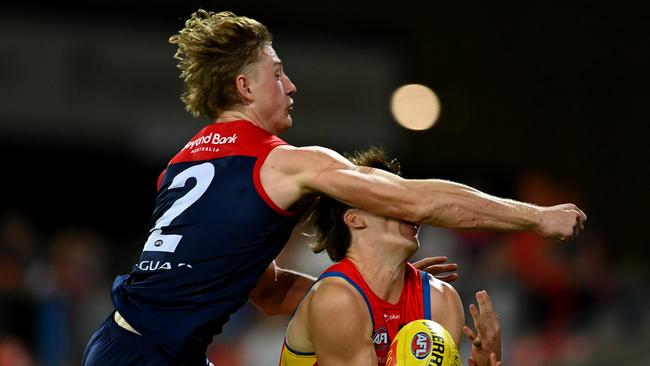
110 346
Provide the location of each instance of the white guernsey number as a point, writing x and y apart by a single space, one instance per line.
158 242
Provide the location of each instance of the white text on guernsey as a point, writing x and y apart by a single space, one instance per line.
211 138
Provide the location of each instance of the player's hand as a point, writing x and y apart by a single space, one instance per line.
493 361
486 343
438 267
562 222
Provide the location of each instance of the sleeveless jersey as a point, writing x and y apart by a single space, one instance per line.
214 232
387 319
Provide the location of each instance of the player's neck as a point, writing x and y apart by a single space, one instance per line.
233 115
382 270
237 115
246 114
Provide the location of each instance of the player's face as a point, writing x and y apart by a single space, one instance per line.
395 231
272 90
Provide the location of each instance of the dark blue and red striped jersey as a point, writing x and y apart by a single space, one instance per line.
214 232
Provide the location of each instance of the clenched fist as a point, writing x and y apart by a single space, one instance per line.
562 222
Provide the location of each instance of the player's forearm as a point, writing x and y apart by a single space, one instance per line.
279 291
454 205
297 286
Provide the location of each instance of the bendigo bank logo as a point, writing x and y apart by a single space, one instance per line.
211 138
421 345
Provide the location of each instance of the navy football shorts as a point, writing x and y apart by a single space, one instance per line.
113 345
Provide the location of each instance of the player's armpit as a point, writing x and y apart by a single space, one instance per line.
340 325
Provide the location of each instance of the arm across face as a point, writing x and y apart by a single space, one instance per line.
291 173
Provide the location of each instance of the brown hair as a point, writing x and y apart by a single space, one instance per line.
213 49
326 213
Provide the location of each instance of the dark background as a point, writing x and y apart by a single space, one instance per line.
89 108
562 89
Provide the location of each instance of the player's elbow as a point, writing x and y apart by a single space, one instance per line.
409 208
416 213
268 305
437 210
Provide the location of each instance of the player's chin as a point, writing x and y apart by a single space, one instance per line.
412 246
284 125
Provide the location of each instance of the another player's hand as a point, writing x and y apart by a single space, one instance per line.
562 222
493 361
438 267
486 343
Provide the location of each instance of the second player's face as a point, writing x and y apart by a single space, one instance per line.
395 231
272 90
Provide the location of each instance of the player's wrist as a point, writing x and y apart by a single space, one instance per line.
535 219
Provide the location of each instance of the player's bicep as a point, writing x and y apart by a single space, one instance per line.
340 327
325 171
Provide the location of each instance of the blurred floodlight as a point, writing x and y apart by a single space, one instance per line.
415 106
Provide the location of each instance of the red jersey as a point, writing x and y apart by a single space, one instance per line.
387 319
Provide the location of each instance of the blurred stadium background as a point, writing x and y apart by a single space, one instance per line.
540 102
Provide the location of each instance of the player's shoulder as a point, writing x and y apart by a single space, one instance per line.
335 298
442 289
336 294
290 156
306 152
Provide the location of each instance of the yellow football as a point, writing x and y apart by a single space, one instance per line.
423 343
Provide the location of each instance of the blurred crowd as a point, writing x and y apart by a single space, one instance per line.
559 304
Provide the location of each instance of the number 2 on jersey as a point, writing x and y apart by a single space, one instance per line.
159 242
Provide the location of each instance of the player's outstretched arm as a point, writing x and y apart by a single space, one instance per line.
436 202
486 342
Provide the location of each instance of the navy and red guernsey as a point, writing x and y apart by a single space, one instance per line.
214 233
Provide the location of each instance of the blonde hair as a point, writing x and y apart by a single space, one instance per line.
213 48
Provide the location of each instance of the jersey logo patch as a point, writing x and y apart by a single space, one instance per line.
380 338
212 139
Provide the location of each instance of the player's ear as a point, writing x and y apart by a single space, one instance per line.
354 219
243 83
